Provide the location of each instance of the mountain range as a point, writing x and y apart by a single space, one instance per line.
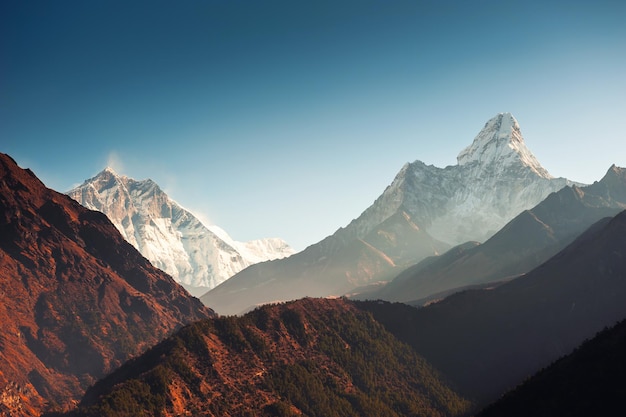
334 357
524 243
92 328
425 211
77 299
197 256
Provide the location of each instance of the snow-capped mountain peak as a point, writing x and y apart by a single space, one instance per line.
107 174
424 210
495 179
171 237
501 143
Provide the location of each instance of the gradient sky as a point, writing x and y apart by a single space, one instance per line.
288 118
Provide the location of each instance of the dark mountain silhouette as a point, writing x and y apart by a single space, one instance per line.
488 341
314 357
524 243
77 299
588 382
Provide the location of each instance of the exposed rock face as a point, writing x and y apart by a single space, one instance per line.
424 212
172 238
77 299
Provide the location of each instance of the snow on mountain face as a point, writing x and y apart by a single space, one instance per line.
170 236
500 142
496 178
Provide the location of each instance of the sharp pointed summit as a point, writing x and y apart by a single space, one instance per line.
107 173
501 143
496 178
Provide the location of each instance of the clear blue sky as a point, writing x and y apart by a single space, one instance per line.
288 118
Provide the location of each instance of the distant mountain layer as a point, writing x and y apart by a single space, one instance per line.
488 341
311 357
424 212
170 236
523 244
77 299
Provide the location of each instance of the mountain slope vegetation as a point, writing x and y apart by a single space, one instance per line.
313 357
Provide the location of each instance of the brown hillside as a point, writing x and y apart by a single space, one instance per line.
77 300
312 357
